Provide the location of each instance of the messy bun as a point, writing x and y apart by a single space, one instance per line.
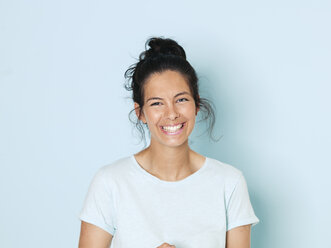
160 55
160 46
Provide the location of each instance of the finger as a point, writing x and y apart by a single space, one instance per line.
166 245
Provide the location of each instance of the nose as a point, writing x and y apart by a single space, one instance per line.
172 112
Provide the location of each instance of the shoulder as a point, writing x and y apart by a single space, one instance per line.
225 173
224 169
117 166
114 170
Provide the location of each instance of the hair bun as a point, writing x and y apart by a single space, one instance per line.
160 46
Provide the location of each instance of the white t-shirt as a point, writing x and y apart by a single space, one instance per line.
142 211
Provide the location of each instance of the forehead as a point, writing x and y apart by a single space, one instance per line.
167 84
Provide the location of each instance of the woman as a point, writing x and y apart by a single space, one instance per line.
167 195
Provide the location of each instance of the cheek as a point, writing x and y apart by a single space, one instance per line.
153 116
189 112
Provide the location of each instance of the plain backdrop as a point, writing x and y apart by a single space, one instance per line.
64 110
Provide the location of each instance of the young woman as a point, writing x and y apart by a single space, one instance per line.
167 195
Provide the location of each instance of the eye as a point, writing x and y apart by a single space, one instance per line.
155 103
180 100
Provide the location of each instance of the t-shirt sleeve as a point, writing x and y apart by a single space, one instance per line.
98 208
239 208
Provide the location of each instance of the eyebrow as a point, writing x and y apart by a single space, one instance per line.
159 98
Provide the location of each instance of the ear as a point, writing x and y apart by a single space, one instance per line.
137 110
198 108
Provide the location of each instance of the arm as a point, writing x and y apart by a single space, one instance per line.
239 237
92 236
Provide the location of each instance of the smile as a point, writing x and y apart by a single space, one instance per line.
173 129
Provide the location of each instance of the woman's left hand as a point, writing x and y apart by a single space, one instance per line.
166 245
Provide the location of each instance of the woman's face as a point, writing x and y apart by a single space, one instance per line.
169 108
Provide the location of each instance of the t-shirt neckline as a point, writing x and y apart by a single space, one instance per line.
170 183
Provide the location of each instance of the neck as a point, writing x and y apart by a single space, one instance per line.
169 163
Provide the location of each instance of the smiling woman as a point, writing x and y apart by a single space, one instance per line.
169 110
167 195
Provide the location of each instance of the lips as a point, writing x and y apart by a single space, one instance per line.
173 125
173 129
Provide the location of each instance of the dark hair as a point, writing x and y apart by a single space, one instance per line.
164 54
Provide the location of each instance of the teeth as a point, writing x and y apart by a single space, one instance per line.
172 129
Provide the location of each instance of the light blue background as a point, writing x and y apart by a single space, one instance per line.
63 109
